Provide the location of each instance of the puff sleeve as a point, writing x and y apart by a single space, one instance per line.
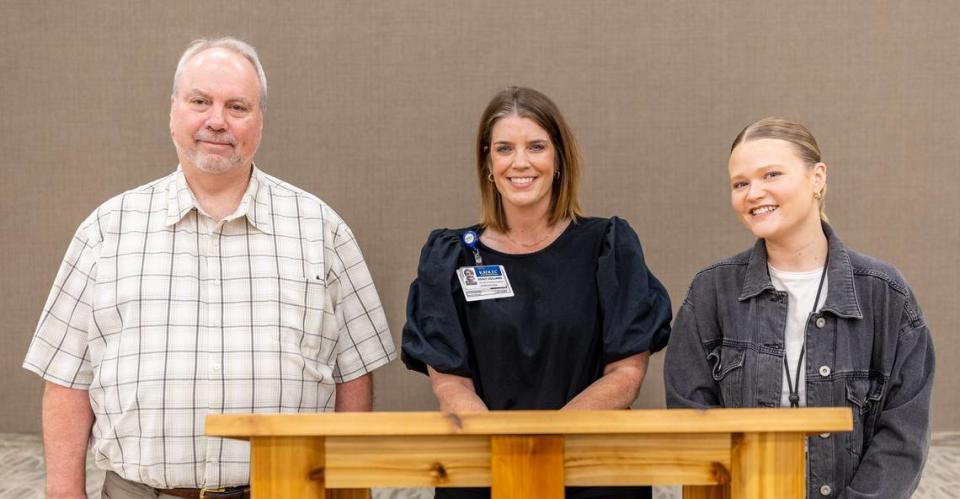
634 305
434 333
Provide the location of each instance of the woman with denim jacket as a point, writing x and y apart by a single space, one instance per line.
802 320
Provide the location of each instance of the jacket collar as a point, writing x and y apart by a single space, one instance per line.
255 204
841 291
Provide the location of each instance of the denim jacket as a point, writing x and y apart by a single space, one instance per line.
868 349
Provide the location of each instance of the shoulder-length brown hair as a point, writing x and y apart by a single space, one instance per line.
531 104
794 133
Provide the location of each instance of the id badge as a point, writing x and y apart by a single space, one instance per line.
484 282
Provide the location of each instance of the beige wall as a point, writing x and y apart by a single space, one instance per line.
374 106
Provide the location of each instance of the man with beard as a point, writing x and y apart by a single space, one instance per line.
216 289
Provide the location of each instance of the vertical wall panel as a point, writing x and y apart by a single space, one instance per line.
374 105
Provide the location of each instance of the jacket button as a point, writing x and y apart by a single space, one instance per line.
824 435
821 322
824 371
825 490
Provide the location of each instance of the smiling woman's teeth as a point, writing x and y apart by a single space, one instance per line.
521 180
763 209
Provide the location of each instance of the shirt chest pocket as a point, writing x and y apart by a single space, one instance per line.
727 370
864 397
301 306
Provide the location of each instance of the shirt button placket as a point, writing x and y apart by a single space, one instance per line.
213 282
214 319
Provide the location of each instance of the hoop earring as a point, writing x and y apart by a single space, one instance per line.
490 177
556 173
818 196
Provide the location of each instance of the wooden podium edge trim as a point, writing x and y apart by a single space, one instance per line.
805 420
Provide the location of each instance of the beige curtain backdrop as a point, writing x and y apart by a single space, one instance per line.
374 106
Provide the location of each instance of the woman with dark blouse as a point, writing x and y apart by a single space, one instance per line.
575 319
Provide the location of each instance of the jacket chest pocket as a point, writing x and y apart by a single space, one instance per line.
727 371
863 397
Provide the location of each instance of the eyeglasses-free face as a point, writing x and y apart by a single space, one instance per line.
773 191
523 164
215 116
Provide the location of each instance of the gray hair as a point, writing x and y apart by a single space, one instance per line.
232 44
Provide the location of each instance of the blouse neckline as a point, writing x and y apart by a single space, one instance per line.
532 253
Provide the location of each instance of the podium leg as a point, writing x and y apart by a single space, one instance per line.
526 466
767 465
706 491
285 467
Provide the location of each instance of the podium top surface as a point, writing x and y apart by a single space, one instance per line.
803 420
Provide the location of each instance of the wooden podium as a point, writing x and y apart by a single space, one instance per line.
717 453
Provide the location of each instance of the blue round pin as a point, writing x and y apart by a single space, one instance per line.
470 239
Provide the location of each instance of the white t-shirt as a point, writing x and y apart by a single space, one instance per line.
801 289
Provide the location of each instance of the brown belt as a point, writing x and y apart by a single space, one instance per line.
241 492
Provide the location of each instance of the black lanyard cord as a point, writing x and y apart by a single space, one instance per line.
795 389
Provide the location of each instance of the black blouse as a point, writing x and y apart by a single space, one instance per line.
585 301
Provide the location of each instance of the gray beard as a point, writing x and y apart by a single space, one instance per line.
212 163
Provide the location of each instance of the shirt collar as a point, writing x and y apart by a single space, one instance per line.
254 205
841 291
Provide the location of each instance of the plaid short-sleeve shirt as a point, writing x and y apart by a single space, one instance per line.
166 315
